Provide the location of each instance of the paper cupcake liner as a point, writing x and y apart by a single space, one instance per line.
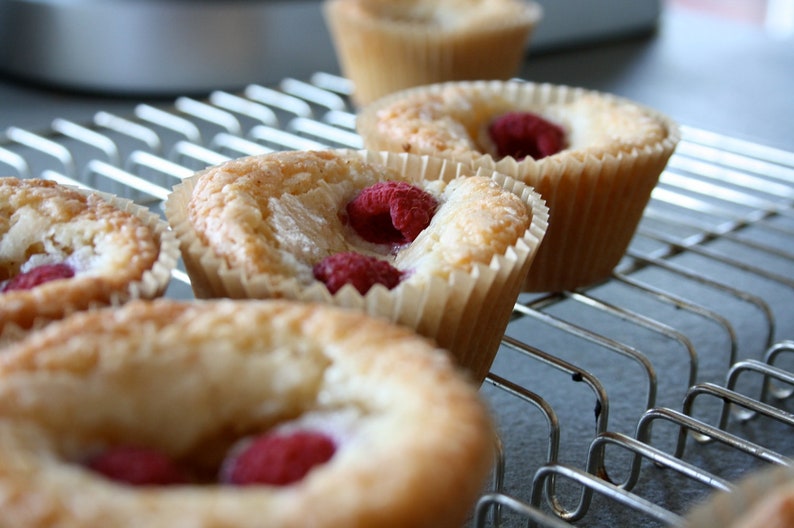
154 281
465 313
596 196
382 55
595 206
30 316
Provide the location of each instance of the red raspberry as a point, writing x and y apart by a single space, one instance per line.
39 275
137 466
278 459
361 271
391 212
522 134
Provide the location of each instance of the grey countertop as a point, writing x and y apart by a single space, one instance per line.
721 75
707 72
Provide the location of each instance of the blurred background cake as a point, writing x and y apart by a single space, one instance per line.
385 45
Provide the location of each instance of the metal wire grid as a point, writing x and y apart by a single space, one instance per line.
699 309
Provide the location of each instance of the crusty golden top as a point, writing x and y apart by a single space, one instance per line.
282 213
189 378
452 119
42 222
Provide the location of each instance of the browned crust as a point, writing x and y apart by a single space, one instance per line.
450 119
173 375
122 241
282 213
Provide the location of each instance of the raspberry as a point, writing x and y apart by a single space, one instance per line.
278 459
39 275
137 466
522 134
391 212
361 271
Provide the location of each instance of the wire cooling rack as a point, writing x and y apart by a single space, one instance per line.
621 404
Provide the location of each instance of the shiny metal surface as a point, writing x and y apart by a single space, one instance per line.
161 46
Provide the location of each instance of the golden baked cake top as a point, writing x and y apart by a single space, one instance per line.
42 222
413 442
64 249
453 119
281 214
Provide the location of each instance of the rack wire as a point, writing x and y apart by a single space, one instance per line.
623 403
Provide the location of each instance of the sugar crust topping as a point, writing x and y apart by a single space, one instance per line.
283 213
366 383
453 120
42 222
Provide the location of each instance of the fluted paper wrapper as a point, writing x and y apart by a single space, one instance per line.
596 196
382 55
763 499
465 313
96 293
595 204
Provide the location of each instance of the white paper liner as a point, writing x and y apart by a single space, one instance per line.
381 55
155 280
596 196
151 284
465 313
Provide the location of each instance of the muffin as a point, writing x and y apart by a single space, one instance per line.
398 236
63 249
763 499
384 46
236 413
593 157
